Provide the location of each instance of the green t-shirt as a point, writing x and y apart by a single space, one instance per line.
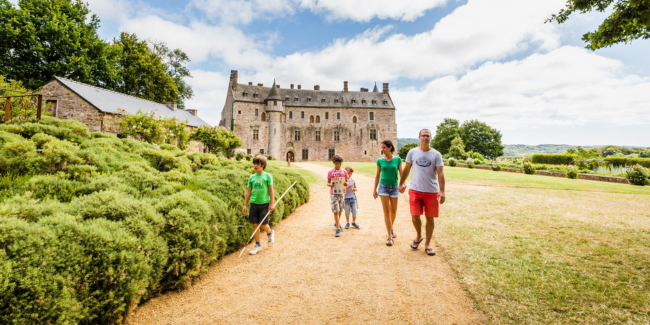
389 170
260 187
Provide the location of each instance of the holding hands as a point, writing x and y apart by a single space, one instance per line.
402 188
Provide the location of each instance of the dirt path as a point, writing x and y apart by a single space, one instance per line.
311 277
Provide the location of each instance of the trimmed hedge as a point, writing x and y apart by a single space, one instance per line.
553 159
626 162
91 225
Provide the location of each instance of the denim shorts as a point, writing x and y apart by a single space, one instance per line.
350 206
386 190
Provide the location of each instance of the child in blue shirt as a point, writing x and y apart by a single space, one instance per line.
350 200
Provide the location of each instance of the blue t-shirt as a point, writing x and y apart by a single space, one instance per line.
350 192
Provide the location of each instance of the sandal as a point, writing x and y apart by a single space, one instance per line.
430 251
389 242
393 233
416 244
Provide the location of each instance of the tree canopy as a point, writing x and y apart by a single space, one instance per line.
445 133
480 137
218 140
629 20
404 150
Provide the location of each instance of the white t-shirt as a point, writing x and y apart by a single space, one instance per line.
424 175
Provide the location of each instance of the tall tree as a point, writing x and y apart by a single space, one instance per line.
480 137
174 62
630 20
445 133
43 38
142 72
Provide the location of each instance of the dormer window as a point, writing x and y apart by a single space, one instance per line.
363 101
385 102
322 100
336 101
286 99
255 95
374 102
245 94
354 101
309 100
295 99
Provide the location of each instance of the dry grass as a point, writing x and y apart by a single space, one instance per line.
539 250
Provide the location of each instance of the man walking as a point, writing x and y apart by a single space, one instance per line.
427 190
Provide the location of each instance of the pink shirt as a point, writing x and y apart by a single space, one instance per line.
337 173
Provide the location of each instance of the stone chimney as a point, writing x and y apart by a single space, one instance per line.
345 86
316 87
277 86
385 88
364 90
291 86
250 83
233 79
172 105
260 85
191 111
298 86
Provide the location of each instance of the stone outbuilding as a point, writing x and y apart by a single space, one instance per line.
98 107
301 125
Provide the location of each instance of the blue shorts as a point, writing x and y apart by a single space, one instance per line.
386 190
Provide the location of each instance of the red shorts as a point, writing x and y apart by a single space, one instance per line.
420 201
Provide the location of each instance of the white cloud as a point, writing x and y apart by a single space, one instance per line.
566 87
365 10
210 89
244 12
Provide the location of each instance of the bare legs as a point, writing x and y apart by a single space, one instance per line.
390 212
430 225
337 219
266 228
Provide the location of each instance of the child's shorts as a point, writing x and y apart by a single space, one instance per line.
257 213
336 202
350 205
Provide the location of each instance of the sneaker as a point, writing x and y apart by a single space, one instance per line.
355 225
347 225
271 238
338 232
255 250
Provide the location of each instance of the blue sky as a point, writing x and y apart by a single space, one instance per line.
495 61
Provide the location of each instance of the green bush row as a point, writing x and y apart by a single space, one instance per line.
91 225
626 162
553 159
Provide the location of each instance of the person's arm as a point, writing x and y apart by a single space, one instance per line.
441 183
404 175
329 181
377 177
355 186
272 205
246 199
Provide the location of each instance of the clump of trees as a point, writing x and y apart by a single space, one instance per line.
475 136
218 140
40 39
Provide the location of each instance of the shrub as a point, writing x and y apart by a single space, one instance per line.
571 172
496 168
528 168
457 148
637 175
552 159
249 157
477 156
239 156
626 162
453 162
470 163
52 187
269 157
404 150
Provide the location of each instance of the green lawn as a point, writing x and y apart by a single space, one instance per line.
314 180
538 250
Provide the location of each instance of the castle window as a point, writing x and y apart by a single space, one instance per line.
262 151
365 152
256 134
317 119
354 119
374 102
256 112
311 119
373 134
337 136
256 95
331 154
309 100
371 116
317 135
295 99
354 101
286 99
263 117
336 101
275 103
327 115
302 114
245 94
297 136
322 100
291 115
238 112
248 151
363 101
305 154
385 102
338 115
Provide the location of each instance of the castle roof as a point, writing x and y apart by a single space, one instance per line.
375 90
314 98
108 101
273 93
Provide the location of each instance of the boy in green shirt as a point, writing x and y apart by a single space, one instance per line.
260 195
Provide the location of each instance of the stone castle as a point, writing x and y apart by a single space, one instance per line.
301 125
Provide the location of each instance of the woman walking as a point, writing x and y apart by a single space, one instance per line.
388 169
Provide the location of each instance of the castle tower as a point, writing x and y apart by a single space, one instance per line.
275 111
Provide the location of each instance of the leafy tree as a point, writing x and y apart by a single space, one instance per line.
480 137
629 20
218 140
404 150
174 62
154 129
446 131
43 38
582 153
644 153
457 149
142 72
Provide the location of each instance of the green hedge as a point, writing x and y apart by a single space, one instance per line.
626 162
553 159
91 225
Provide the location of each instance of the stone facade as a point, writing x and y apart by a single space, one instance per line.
310 125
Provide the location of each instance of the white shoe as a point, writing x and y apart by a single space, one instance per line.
271 238
255 250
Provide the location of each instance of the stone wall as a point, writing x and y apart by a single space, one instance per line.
589 177
354 142
72 107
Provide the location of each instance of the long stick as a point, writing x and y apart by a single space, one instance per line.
262 222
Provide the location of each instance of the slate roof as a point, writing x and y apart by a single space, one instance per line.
109 101
316 96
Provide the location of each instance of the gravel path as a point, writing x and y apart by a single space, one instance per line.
311 277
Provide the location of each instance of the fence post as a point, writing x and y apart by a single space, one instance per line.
39 106
7 109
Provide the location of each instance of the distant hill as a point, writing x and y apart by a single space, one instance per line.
403 141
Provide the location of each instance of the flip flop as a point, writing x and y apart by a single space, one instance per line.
393 233
430 251
389 242
416 243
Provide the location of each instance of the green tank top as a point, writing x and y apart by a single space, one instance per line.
389 170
